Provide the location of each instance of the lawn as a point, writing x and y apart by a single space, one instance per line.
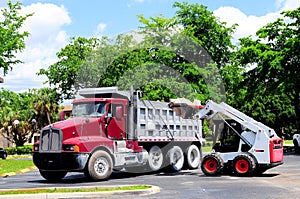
288 142
72 190
15 164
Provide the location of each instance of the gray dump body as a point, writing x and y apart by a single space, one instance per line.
157 122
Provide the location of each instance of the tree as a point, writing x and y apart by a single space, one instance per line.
276 78
63 74
19 110
45 105
162 43
12 40
196 56
208 30
16 114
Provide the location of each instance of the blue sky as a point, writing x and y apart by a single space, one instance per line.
120 15
55 21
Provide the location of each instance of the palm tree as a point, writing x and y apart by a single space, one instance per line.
45 104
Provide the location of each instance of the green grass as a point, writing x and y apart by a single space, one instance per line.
71 190
289 142
206 149
14 165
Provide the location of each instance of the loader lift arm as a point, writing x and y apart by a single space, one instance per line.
212 108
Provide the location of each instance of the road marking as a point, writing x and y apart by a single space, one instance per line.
188 182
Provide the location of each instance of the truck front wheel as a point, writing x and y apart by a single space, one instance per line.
100 166
53 176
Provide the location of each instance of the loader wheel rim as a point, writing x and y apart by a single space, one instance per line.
211 165
242 166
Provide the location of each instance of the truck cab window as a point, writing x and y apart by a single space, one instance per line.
114 108
88 109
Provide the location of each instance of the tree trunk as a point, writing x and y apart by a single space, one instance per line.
48 117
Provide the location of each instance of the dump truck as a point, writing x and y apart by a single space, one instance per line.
115 130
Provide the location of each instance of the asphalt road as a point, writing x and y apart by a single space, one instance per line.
280 182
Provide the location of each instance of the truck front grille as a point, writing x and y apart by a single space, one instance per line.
51 140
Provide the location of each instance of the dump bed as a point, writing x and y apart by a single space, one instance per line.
157 122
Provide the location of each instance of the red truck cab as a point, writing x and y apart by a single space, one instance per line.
96 124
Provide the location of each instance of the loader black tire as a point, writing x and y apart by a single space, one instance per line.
244 165
212 164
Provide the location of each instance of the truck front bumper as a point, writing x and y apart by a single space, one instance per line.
60 161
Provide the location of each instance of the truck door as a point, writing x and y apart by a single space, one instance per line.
117 122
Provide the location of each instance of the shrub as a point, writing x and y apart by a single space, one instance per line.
21 150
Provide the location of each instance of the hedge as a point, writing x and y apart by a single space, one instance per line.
20 150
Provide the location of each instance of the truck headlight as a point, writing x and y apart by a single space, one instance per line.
74 148
35 147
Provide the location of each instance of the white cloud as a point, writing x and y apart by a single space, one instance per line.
248 25
100 29
133 2
288 4
46 38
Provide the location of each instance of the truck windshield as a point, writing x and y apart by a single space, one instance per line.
93 109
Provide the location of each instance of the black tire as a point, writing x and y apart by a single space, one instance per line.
4 156
155 159
193 157
175 159
296 147
243 165
212 164
100 166
53 176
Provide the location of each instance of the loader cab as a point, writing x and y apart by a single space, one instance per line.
227 138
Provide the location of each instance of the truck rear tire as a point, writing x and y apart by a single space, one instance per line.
176 159
100 166
212 164
244 165
53 176
296 146
155 159
193 157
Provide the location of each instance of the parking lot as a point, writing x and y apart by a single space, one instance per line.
280 182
